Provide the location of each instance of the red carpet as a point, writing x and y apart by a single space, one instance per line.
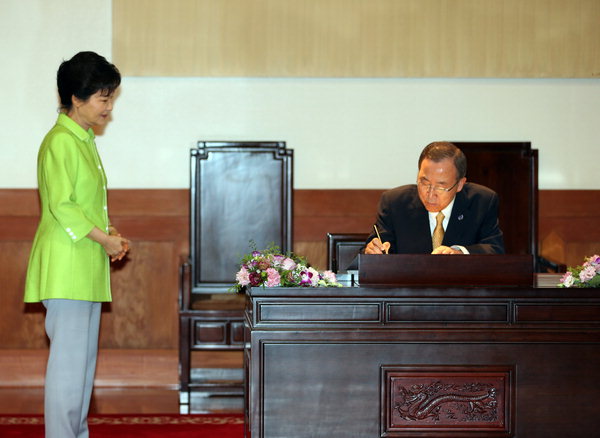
138 426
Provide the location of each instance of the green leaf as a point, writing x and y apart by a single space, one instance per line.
594 282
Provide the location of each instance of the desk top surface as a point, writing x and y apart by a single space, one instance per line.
546 286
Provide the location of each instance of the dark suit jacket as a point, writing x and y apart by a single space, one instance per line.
403 221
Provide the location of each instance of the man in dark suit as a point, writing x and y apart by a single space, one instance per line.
441 214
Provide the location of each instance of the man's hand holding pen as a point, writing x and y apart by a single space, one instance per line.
376 246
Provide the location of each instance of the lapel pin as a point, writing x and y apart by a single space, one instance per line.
460 218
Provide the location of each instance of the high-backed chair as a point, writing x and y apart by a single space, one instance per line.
239 192
511 170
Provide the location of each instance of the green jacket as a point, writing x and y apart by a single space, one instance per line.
64 263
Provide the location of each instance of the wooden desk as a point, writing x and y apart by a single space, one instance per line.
422 362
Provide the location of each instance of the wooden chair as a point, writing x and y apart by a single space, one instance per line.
342 250
511 170
239 192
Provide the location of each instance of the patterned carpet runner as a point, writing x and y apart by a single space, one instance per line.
138 426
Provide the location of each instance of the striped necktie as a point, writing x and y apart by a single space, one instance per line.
438 233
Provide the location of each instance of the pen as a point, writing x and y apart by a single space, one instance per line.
378 236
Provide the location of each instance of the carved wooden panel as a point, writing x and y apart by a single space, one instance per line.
457 400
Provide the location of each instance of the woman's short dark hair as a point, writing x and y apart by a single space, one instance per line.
84 75
440 150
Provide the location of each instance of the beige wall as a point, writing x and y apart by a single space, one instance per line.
358 38
346 133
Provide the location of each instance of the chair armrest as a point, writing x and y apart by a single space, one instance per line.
545 265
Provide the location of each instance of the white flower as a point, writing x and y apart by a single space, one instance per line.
329 277
567 280
587 274
314 276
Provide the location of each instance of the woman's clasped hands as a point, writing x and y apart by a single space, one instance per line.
117 246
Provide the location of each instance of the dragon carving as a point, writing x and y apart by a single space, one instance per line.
425 401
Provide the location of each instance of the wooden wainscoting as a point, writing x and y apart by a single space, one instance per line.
568 225
143 315
318 212
116 367
144 286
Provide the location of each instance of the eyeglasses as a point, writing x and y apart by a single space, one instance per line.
426 187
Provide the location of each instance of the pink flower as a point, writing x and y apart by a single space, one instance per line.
288 264
567 280
243 277
587 273
278 259
273 278
593 261
329 277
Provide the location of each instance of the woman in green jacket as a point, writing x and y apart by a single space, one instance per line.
69 263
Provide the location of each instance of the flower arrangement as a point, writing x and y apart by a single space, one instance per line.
271 268
586 275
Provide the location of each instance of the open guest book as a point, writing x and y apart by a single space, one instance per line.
476 270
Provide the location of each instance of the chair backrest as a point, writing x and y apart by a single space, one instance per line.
510 169
240 192
342 250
